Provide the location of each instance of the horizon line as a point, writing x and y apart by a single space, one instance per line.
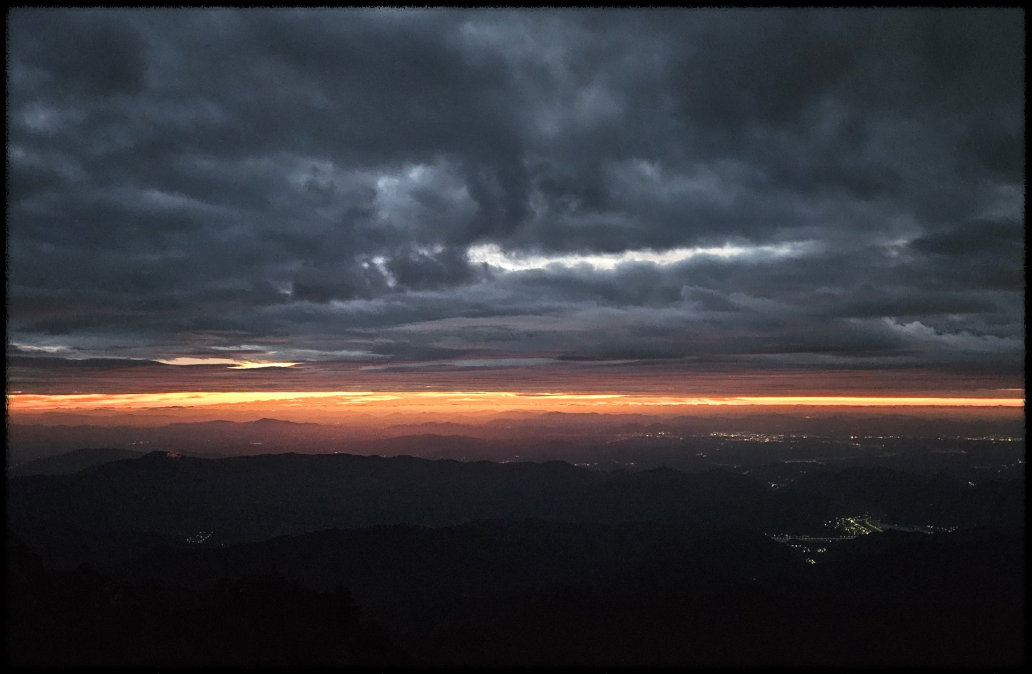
467 399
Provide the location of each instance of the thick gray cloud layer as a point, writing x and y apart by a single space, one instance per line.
316 185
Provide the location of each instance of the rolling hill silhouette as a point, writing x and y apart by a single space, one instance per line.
255 498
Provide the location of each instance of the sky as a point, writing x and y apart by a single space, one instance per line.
663 202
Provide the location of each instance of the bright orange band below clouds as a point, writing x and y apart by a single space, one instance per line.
370 401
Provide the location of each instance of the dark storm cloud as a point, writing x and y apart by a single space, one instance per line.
316 185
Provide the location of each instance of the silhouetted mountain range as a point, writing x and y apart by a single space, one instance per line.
255 498
551 436
533 593
254 560
75 461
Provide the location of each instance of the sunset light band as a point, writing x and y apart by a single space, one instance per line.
453 399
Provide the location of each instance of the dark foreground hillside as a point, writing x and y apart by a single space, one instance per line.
84 618
534 593
255 560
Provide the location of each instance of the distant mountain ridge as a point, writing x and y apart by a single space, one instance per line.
29 441
74 461
258 497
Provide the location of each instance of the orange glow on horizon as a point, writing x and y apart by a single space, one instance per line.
452 401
